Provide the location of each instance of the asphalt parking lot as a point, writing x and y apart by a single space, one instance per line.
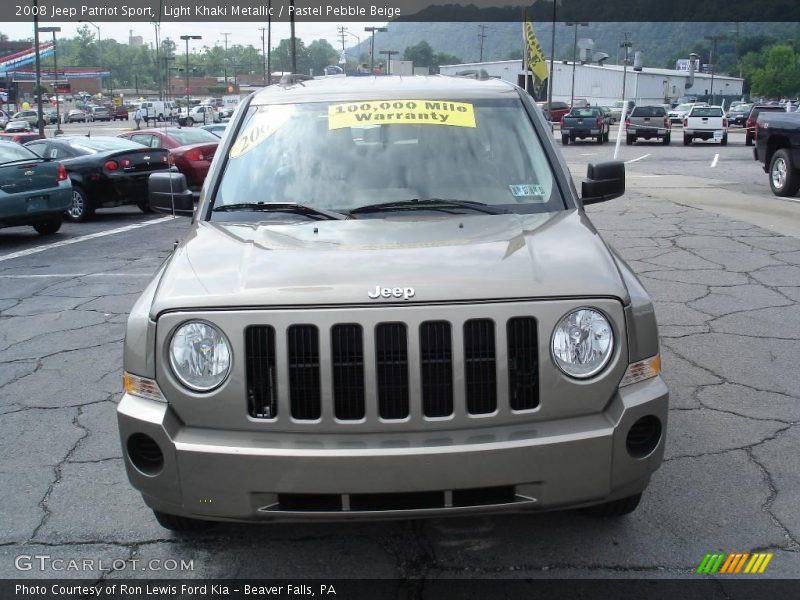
718 253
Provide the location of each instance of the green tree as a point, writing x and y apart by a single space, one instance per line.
421 54
281 56
321 54
780 74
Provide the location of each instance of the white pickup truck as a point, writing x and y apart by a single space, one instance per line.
706 123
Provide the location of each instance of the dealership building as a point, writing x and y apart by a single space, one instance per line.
602 84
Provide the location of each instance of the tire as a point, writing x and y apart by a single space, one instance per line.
615 508
784 177
666 141
182 524
48 227
80 210
724 140
687 140
630 139
144 206
748 141
565 140
189 122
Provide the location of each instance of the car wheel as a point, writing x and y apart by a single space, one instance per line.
748 141
615 508
48 227
80 210
784 178
666 140
565 140
182 524
687 140
629 139
189 122
144 206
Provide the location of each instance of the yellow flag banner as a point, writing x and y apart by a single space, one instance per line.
536 60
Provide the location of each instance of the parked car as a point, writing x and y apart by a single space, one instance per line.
21 138
51 116
158 110
752 117
120 113
105 171
198 114
580 103
101 113
18 127
218 129
4 119
33 191
191 150
582 123
705 123
777 139
442 333
76 115
31 116
616 109
555 112
677 114
648 122
737 115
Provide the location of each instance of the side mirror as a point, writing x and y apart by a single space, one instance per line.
604 181
168 193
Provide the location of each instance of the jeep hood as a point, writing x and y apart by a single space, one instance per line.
469 258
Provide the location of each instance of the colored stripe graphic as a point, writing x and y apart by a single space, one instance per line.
741 562
733 563
729 562
765 563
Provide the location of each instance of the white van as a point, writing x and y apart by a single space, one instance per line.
159 110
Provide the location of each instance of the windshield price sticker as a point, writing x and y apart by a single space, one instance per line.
263 124
527 190
398 112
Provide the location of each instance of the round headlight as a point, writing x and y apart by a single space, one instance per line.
583 343
200 356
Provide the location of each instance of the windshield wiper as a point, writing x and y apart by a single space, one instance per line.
429 204
316 214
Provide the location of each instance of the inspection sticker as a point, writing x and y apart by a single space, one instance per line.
391 112
260 127
527 190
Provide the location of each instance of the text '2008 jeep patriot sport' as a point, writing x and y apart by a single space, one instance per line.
390 304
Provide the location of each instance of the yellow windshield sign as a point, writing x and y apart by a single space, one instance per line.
398 112
260 127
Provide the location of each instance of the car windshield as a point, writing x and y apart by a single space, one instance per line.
13 124
707 111
102 144
12 152
649 111
192 136
342 156
686 106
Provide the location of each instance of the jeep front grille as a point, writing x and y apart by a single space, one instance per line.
402 371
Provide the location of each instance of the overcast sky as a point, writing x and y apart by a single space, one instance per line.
241 33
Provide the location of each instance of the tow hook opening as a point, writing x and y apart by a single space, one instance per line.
145 454
643 436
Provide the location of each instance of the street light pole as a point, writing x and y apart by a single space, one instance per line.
293 41
625 44
372 46
55 30
38 66
551 77
269 42
225 59
574 57
714 39
263 54
186 39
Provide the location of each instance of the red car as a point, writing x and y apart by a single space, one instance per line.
191 150
21 138
750 131
554 114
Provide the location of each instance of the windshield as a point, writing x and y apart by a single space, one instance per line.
585 112
10 152
342 156
98 144
192 136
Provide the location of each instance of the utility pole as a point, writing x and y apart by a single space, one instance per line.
482 36
225 59
574 57
263 54
372 30
186 38
269 42
293 41
714 39
342 33
38 66
626 44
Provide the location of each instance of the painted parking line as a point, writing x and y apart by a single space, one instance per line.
83 238
633 160
72 275
714 162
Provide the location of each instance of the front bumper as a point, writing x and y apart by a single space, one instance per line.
247 476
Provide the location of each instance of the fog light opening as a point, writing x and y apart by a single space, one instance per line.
643 437
144 453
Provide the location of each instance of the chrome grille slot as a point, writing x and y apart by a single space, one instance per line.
304 381
436 368
260 372
480 366
391 361
347 358
523 363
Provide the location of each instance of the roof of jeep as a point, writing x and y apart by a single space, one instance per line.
433 87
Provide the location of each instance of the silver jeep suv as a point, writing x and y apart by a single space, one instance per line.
390 304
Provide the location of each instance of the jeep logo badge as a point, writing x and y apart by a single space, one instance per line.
385 292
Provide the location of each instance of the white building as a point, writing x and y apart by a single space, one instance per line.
603 84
